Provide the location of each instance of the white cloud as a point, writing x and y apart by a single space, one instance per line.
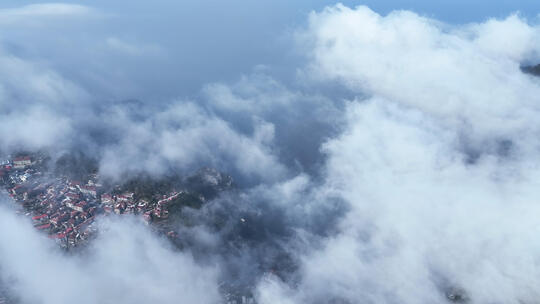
29 14
184 136
46 9
438 167
450 72
35 104
423 219
34 127
125 264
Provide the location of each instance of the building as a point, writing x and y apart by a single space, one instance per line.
81 206
106 199
39 217
22 162
46 226
125 197
88 190
72 196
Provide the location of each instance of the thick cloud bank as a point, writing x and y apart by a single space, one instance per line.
126 264
401 166
439 166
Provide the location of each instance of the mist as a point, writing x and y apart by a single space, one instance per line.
127 264
378 157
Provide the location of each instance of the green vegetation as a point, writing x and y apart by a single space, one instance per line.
76 166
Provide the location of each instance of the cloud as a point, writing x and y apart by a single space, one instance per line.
44 110
33 12
426 222
35 128
255 142
36 105
422 221
27 82
46 9
185 136
127 264
449 72
399 166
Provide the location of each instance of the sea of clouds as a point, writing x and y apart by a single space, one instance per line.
401 165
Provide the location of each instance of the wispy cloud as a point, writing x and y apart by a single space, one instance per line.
29 13
128 265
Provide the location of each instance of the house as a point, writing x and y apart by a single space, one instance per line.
147 216
22 162
89 190
72 196
124 197
69 204
46 226
141 205
81 206
74 185
18 190
39 217
92 210
106 199
60 219
160 212
119 208
58 236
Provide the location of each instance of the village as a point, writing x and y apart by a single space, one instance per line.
65 209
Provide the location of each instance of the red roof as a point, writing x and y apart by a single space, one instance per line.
44 226
22 158
57 236
37 217
72 195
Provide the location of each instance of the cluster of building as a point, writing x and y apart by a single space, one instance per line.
238 299
66 209
126 204
61 208
17 163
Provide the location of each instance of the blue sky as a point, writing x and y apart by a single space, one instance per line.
457 11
